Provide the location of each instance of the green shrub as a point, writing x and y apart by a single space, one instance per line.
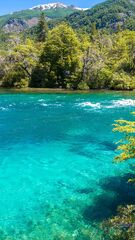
122 81
15 78
83 86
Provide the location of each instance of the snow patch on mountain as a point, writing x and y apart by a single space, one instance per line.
55 6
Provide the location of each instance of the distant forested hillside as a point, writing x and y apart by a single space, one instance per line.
111 14
29 14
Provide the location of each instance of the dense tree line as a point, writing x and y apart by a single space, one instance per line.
64 58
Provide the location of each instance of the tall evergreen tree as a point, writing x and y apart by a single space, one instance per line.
42 28
93 29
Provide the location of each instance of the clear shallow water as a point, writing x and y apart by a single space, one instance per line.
57 179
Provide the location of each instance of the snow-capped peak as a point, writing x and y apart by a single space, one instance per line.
54 6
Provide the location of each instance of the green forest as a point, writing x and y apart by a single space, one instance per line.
69 58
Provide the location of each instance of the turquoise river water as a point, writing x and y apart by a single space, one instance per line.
57 176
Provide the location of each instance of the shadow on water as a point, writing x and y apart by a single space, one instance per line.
117 192
108 145
81 150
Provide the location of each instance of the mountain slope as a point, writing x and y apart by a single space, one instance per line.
20 20
108 14
55 6
111 14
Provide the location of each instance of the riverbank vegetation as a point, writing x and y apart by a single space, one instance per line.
122 226
64 58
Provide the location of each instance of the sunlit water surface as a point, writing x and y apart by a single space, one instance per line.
57 178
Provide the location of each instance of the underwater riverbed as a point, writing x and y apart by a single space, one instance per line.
57 176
